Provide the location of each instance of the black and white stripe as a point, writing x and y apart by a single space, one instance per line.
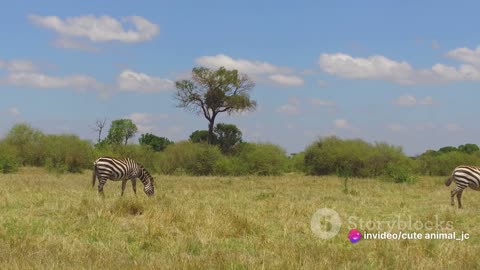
107 168
464 176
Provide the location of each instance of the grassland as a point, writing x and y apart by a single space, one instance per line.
59 222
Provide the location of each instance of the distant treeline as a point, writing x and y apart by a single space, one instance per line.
228 154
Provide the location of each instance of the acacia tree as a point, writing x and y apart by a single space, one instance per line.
210 92
120 131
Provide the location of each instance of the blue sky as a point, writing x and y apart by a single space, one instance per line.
406 73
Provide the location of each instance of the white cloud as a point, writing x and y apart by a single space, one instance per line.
452 127
408 100
288 109
146 122
342 123
130 80
286 80
466 55
322 84
396 127
378 67
373 67
99 29
68 43
39 80
243 65
428 100
14 111
18 65
291 107
425 126
321 103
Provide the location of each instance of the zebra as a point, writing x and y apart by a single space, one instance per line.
464 176
115 169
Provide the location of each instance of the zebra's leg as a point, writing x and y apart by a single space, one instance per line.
455 191
452 195
101 183
134 185
459 198
124 183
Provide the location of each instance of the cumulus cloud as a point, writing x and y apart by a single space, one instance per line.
466 55
130 80
408 100
39 80
286 80
18 65
14 111
396 127
288 109
378 67
243 65
146 122
291 107
452 127
321 103
68 43
342 123
99 29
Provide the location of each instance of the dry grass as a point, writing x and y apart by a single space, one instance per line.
59 222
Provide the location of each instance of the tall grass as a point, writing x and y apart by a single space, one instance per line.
59 222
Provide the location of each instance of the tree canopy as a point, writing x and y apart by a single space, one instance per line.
210 92
157 143
121 131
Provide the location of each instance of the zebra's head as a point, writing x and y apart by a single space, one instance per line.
148 187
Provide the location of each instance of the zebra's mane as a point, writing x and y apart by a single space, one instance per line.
145 171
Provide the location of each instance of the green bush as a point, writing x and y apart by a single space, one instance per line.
332 155
29 144
231 166
443 163
67 153
262 158
9 160
400 173
296 162
192 158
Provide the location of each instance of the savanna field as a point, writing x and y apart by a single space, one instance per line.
51 221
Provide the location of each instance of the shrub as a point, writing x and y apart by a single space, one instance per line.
231 166
360 159
442 164
28 143
296 162
9 160
67 153
400 173
196 159
155 142
262 158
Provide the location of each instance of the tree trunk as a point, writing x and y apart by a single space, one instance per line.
210 131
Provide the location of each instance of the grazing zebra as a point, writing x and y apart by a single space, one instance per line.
464 176
106 168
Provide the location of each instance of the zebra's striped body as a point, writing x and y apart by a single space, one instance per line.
107 168
464 176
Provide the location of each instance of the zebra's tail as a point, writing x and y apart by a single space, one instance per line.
449 181
94 174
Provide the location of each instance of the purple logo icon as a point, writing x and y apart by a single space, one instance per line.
354 235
